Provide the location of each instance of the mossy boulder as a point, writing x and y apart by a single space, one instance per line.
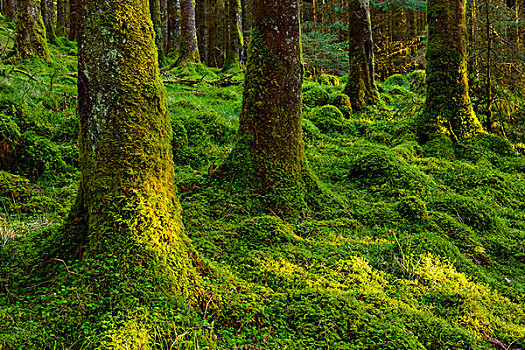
316 96
328 79
263 231
327 118
342 101
381 170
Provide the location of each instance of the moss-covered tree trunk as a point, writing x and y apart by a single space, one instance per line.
360 87
189 49
30 40
127 197
448 109
235 38
268 157
247 22
174 29
202 28
47 18
61 17
154 8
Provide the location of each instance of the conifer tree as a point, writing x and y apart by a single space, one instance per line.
448 109
268 157
360 87
30 40
189 49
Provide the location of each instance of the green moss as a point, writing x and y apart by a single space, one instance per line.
264 231
342 101
412 208
315 97
384 171
328 79
327 118
10 139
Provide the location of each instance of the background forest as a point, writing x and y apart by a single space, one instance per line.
398 229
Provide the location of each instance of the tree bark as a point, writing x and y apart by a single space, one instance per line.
61 17
154 8
30 39
448 109
361 87
174 29
10 10
127 191
189 49
47 17
268 157
73 19
235 38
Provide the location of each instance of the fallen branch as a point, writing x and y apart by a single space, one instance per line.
31 76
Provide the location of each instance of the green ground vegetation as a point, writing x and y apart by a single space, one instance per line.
417 247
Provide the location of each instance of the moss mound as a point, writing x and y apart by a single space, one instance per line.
315 96
327 118
328 79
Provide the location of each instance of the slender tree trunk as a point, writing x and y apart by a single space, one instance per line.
10 10
247 22
189 49
61 17
269 155
47 17
154 8
235 38
361 87
30 40
448 109
202 36
73 19
173 25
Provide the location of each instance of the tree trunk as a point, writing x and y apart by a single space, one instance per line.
173 25
235 38
360 87
202 29
189 49
247 22
47 17
268 157
73 19
30 40
448 109
10 10
61 17
154 8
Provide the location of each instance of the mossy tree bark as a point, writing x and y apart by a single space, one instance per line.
189 49
10 10
47 17
154 8
30 40
61 17
174 29
361 87
202 28
268 157
127 199
235 38
448 109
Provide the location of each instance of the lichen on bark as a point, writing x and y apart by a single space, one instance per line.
448 109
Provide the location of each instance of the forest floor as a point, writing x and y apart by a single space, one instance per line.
421 247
